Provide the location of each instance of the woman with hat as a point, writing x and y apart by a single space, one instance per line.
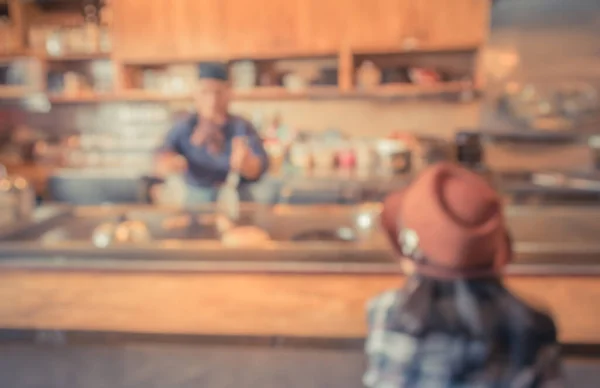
211 142
454 324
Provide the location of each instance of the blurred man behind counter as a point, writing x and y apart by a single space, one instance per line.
211 142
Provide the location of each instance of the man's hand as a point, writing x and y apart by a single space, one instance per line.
243 160
169 163
239 152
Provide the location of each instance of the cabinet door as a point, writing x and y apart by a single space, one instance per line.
452 23
321 25
261 27
142 30
379 24
199 28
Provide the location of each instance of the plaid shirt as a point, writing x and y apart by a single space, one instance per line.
519 356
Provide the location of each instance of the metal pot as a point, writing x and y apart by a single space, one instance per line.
17 198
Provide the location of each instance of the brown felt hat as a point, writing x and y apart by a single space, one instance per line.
449 222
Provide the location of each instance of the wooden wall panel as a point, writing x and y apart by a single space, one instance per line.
251 304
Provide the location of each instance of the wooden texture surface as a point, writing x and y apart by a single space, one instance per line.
188 29
143 29
288 305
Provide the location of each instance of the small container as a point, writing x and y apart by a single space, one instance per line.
394 156
368 75
54 43
300 156
365 156
323 157
275 150
346 157
401 161
73 84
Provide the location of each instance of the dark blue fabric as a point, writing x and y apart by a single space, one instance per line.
457 334
204 168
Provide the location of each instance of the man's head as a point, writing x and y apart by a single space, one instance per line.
212 92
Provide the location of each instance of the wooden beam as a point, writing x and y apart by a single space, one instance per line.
246 304
19 29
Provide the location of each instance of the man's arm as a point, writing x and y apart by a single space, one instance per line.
249 155
168 158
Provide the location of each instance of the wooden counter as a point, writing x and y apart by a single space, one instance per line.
308 305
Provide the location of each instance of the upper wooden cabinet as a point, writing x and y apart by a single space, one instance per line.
413 24
451 23
143 30
261 27
379 23
321 25
194 29
199 28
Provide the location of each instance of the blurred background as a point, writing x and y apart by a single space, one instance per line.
88 86
351 99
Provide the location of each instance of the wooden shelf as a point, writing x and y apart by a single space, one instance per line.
14 92
276 93
420 48
281 93
255 56
9 57
412 90
74 57
81 98
116 97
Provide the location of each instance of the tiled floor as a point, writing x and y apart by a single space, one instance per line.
183 366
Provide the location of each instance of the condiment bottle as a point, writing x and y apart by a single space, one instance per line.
346 157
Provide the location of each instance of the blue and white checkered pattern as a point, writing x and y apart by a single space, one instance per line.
438 360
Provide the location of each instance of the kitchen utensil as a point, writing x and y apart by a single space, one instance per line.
228 199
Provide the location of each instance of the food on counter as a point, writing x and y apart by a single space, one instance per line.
127 231
245 236
177 222
223 224
17 199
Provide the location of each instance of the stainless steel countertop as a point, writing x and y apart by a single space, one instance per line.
553 240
